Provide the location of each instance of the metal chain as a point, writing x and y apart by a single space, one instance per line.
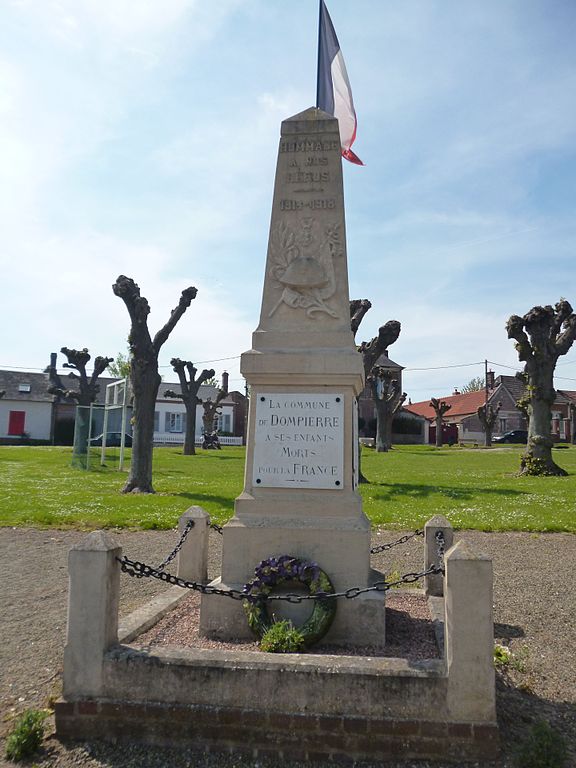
178 547
216 527
140 570
402 540
439 536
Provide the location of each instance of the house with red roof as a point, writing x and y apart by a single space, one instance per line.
463 406
461 422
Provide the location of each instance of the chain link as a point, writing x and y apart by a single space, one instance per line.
401 540
178 547
141 570
216 527
439 536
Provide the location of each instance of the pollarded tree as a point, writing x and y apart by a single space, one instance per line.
144 377
440 407
387 397
371 350
541 336
488 414
87 387
189 387
212 409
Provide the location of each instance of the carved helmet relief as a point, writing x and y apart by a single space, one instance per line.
302 264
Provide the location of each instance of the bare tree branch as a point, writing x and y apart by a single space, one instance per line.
188 294
358 308
372 350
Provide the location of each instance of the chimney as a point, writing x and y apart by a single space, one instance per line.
52 366
224 381
490 379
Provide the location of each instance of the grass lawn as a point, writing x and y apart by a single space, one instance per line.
473 488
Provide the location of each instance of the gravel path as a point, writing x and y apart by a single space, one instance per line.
534 597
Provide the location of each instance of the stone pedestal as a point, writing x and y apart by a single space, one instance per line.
304 372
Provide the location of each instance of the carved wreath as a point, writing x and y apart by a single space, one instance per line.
303 264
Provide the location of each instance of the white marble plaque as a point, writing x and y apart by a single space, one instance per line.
299 440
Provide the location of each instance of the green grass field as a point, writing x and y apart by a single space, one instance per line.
473 488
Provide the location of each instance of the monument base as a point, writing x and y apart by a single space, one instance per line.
359 622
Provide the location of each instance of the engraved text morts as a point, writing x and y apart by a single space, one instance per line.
299 440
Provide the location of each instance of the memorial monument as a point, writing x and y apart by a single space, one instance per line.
304 371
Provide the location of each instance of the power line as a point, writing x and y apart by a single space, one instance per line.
203 362
444 367
33 369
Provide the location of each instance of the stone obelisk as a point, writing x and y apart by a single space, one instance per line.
304 373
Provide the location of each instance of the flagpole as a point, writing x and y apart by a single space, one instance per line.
318 61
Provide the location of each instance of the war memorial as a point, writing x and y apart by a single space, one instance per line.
299 511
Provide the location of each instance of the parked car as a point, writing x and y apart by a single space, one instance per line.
113 440
514 436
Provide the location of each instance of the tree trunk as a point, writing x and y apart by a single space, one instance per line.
439 440
145 389
190 435
537 460
383 440
144 376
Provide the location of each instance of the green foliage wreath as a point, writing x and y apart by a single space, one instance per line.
275 571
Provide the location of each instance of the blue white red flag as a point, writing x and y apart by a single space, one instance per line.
334 94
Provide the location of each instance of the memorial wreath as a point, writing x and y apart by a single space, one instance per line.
275 571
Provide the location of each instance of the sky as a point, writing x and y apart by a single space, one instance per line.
140 137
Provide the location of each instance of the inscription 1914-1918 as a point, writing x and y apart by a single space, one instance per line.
299 441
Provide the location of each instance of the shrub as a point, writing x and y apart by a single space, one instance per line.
544 748
282 637
26 736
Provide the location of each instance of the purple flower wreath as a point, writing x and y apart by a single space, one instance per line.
275 571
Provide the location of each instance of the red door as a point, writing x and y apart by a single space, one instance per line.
16 421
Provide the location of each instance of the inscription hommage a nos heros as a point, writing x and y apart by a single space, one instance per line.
299 440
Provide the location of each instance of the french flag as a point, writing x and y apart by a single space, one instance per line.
334 94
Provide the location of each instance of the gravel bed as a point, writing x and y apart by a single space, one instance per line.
534 601
409 631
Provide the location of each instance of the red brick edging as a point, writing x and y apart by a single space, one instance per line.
296 736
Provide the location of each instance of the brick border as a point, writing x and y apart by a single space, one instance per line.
260 733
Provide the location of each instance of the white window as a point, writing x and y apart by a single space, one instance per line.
24 388
174 422
223 423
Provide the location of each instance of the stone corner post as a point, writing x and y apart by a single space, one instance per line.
469 635
193 556
94 579
438 538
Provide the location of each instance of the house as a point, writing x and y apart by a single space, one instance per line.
564 416
461 422
407 427
506 390
26 409
170 414
28 412
462 408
